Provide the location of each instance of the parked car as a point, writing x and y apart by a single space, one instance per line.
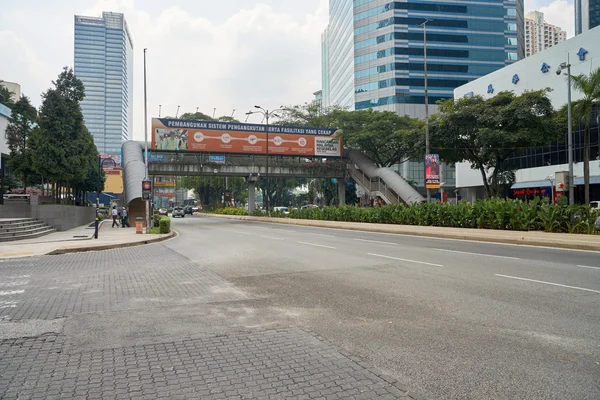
163 211
310 206
595 204
282 209
178 212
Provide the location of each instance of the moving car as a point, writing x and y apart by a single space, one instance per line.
178 212
163 211
282 209
188 210
195 209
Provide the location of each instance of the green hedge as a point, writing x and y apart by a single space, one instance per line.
165 224
505 214
230 211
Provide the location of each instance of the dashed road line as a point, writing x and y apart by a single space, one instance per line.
586 266
318 245
270 237
477 254
548 283
375 241
404 259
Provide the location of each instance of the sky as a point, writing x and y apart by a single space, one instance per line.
227 55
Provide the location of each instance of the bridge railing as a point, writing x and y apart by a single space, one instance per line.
204 160
374 185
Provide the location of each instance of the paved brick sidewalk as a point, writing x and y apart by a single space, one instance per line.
254 363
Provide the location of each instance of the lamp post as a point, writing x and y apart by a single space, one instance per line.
266 114
146 143
427 149
562 66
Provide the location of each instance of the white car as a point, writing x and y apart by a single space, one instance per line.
282 209
595 204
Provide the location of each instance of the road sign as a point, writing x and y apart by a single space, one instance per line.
217 159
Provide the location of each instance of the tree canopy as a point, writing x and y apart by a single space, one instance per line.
485 132
18 132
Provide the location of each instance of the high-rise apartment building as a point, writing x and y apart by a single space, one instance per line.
374 50
587 15
104 63
540 35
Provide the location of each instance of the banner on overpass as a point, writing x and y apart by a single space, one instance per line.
227 137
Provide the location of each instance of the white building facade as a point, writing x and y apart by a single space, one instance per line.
540 35
536 167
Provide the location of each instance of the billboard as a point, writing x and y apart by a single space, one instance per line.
432 171
227 137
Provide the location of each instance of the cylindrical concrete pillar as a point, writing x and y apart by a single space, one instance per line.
251 190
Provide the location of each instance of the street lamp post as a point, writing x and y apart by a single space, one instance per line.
146 144
562 66
266 114
427 149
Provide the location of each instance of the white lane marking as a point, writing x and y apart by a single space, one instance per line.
548 283
270 237
10 292
321 234
585 266
437 238
15 283
375 241
477 254
318 245
286 230
404 259
8 304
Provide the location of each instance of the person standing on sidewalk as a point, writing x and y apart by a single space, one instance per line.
125 216
115 215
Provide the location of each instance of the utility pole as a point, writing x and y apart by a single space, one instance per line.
427 148
146 143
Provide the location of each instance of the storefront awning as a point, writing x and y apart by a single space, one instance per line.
532 184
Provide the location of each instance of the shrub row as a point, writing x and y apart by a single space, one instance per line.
505 214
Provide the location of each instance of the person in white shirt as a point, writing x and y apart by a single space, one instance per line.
115 215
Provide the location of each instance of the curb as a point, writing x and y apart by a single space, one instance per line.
83 249
518 239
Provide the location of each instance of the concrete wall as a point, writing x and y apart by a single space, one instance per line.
61 217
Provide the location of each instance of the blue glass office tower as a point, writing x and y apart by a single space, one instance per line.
104 63
375 50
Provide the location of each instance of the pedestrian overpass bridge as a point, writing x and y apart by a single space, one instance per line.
382 182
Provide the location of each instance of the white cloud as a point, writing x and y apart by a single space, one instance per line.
257 55
556 12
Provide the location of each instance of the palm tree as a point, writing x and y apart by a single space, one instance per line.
6 97
583 109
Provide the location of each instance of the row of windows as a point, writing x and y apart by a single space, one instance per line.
398 99
413 82
495 26
475 40
472 10
485 55
473 69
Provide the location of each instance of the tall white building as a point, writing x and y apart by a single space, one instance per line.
540 35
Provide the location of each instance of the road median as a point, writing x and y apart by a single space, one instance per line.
530 238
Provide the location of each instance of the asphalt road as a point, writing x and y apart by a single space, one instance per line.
450 319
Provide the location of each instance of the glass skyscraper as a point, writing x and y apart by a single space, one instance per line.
104 63
587 15
375 50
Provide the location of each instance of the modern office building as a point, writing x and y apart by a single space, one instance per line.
535 168
587 15
104 63
375 50
540 35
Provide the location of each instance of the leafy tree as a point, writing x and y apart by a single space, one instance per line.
6 97
17 133
486 132
204 117
583 109
63 149
383 136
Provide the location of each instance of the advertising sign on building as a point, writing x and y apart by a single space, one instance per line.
432 171
217 159
226 137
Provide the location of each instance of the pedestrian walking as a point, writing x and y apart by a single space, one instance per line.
115 215
125 216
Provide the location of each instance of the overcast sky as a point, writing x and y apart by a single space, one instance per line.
229 54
